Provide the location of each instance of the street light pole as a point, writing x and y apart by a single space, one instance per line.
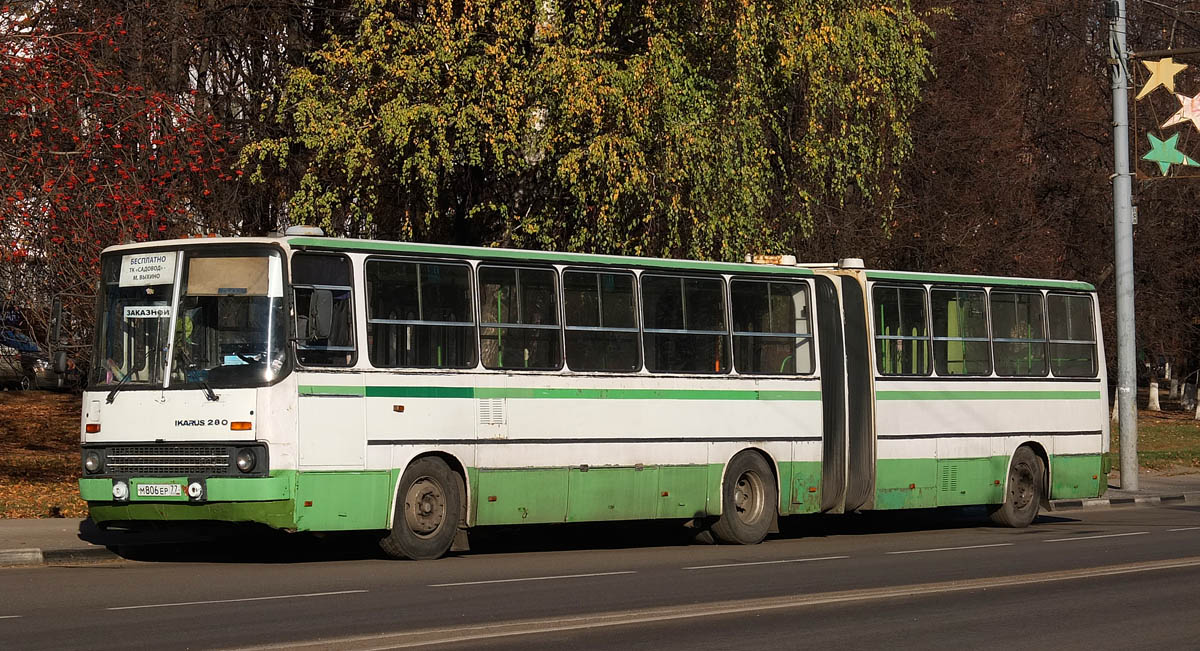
1123 241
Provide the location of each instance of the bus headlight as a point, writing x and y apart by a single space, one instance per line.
246 460
92 462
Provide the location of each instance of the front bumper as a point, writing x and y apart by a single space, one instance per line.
267 500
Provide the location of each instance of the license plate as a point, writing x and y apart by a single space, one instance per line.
159 490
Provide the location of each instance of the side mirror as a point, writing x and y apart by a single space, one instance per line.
320 314
60 362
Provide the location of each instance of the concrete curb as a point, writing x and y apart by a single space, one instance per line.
35 556
1112 502
31 556
84 555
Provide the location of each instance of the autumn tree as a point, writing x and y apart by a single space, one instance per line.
122 122
654 128
89 160
1166 248
1013 152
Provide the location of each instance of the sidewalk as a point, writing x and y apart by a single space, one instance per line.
1152 489
69 540
66 540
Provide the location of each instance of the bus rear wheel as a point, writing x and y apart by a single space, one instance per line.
1026 477
428 506
748 499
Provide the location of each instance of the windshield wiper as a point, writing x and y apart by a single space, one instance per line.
113 394
208 392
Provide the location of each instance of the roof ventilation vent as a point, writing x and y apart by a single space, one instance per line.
851 263
782 260
309 231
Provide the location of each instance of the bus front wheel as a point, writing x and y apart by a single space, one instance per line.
748 501
428 504
1026 477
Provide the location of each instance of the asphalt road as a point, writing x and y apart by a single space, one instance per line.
1127 577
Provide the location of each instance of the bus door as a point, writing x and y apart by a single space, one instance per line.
332 403
848 439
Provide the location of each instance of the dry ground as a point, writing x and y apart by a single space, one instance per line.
39 455
39 452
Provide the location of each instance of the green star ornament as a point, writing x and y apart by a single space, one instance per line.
1165 154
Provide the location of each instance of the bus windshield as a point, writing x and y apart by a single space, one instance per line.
229 326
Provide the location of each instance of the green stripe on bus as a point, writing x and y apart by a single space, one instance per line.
645 394
519 393
421 392
987 395
517 255
980 280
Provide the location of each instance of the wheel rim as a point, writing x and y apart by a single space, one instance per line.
1020 485
425 507
26 383
748 497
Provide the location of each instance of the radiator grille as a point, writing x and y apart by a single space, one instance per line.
172 460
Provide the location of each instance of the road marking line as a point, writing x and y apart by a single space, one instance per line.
230 601
468 633
948 549
790 560
1184 529
1107 535
531 578
10 616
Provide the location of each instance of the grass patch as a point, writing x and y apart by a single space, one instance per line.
1168 442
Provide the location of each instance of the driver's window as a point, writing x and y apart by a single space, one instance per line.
324 308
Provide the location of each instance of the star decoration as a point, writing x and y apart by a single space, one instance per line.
1189 111
1165 154
1162 73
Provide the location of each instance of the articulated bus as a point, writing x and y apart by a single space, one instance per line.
321 384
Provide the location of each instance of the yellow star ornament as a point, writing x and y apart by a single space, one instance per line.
1162 73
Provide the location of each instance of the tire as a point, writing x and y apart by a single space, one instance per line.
429 504
749 499
1026 479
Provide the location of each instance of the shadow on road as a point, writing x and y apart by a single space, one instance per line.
881 522
221 542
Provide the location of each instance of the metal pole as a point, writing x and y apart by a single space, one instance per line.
1123 241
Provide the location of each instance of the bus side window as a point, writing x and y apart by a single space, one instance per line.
771 329
602 332
315 278
419 315
1072 335
519 318
901 330
960 334
1018 333
685 327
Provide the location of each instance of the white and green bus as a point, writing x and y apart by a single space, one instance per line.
321 384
